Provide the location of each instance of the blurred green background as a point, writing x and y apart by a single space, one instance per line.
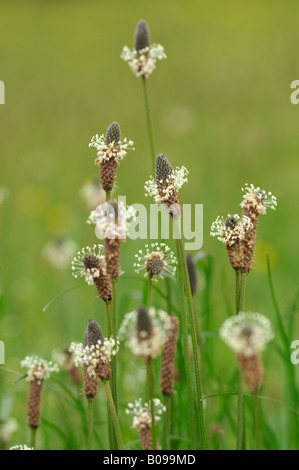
220 105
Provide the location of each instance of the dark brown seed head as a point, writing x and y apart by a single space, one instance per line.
155 264
113 134
192 274
142 36
93 334
231 222
91 261
247 331
164 170
144 324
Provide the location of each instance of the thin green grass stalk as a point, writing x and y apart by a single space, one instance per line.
185 281
257 423
241 436
90 423
111 435
114 417
151 394
150 290
184 316
166 422
33 437
148 121
114 334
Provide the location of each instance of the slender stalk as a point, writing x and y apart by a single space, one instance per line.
111 435
257 422
183 265
150 290
186 350
113 416
90 424
151 394
114 334
33 437
241 437
169 295
108 195
148 121
166 422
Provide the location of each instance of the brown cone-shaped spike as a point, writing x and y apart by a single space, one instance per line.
142 36
108 173
104 287
34 400
164 175
192 274
113 134
103 370
253 371
235 255
93 334
167 367
248 244
90 384
112 256
146 437
144 323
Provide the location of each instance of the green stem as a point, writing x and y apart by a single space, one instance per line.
150 290
90 424
114 334
33 437
113 416
184 317
241 437
148 121
108 195
182 261
151 394
257 422
166 422
111 435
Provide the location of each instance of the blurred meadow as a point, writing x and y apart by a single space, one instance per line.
220 105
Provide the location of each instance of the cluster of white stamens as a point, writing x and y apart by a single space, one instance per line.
247 333
157 259
172 184
231 230
142 412
143 62
91 356
38 368
110 224
115 150
258 199
80 269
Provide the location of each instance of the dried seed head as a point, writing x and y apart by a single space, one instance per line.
93 334
169 350
142 36
192 274
164 171
144 324
34 401
113 134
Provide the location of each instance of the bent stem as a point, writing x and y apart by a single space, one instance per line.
90 424
187 293
241 437
113 416
148 121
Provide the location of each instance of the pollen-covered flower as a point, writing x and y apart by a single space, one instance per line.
110 150
165 187
231 230
90 263
247 334
112 219
157 260
39 370
257 200
59 252
96 352
143 57
144 332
